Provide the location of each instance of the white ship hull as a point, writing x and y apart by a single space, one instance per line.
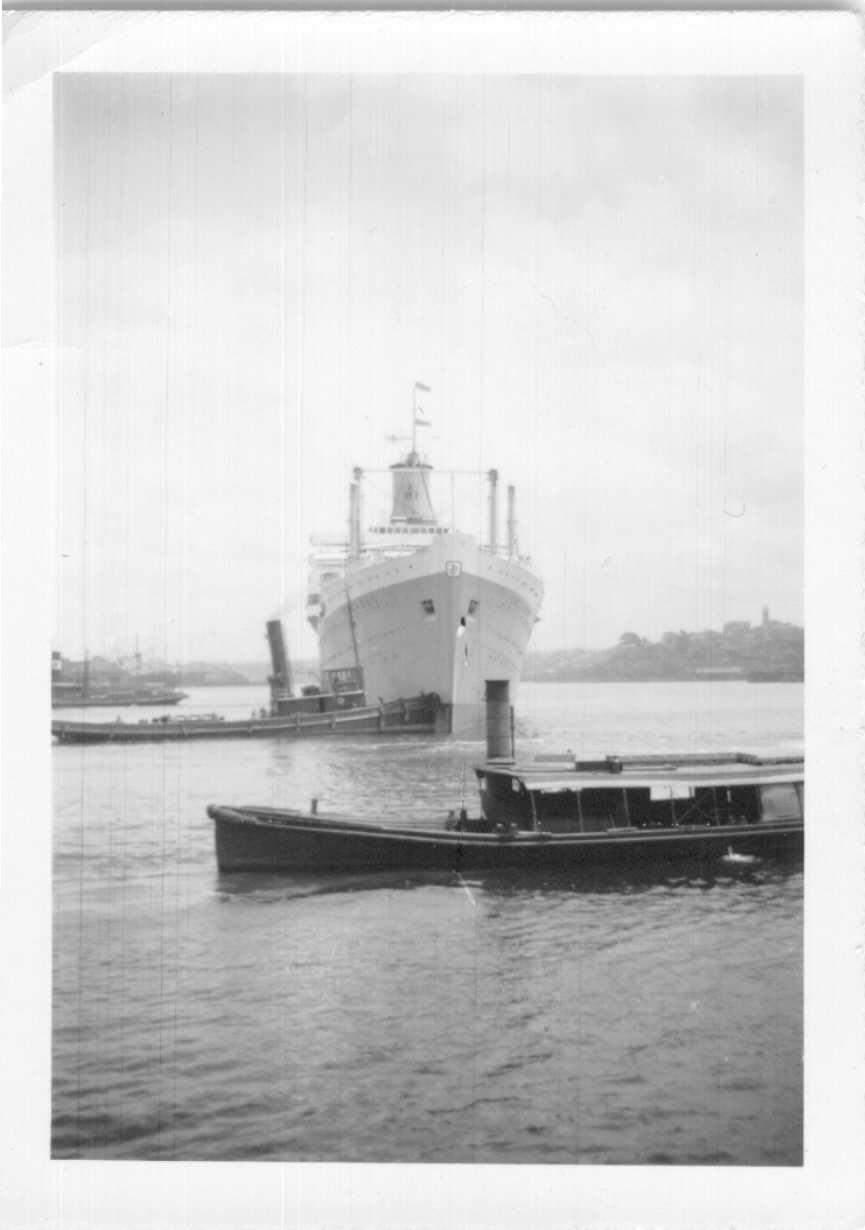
441 619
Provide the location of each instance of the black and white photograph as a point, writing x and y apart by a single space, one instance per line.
437 479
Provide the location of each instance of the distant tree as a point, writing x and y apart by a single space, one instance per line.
630 638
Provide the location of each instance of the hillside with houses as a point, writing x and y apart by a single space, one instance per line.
770 651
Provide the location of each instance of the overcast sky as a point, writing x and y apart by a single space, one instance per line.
600 279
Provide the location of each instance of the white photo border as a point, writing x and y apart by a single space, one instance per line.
825 49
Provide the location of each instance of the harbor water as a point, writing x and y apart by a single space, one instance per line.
416 1019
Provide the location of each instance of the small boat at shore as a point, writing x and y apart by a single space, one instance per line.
556 812
101 684
74 697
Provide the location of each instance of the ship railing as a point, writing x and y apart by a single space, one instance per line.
395 550
329 540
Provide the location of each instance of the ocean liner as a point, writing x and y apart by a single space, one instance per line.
415 606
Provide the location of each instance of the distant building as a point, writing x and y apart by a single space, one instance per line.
735 627
719 672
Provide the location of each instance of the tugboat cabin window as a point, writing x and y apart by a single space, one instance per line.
656 793
780 802
429 608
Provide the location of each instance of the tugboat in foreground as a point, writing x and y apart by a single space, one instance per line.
553 813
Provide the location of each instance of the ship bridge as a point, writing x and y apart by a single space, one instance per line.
412 501
412 526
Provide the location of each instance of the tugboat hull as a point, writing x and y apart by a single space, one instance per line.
418 715
260 839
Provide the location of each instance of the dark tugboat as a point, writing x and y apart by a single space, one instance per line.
554 812
336 707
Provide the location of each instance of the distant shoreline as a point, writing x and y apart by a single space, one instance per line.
262 683
768 652
708 678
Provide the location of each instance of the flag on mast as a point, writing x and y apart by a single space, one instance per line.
419 420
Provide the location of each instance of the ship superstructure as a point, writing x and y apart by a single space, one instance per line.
415 606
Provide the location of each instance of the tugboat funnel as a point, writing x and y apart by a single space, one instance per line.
281 677
499 720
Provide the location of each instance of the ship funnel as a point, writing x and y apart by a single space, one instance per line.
412 501
281 677
500 736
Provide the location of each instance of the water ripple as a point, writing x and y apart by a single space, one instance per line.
486 1018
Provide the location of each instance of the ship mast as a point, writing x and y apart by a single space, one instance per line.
417 419
411 501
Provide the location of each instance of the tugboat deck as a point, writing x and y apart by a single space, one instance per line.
641 774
